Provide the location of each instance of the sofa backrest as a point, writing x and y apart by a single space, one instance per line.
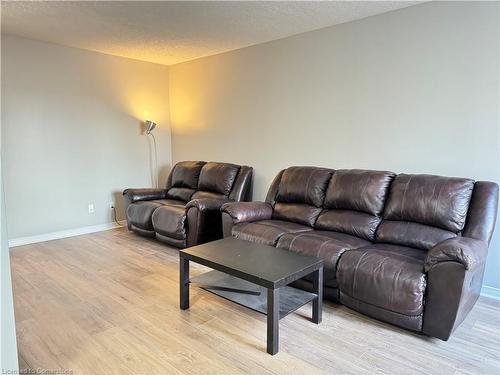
410 210
198 179
216 180
423 210
354 202
298 195
182 182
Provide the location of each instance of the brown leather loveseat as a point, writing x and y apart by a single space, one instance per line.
187 211
406 249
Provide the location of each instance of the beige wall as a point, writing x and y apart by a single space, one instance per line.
71 133
415 90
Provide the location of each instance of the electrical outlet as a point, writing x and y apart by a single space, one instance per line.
91 208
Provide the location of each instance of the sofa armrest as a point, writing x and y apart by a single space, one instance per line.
469 252
204 220
455 269
134 195
244 212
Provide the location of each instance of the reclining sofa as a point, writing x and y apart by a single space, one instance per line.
187 211
406 249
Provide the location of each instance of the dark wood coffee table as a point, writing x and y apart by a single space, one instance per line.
245 270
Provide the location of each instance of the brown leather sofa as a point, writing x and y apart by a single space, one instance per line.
187 211
406 249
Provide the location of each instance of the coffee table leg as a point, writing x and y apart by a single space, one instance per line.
184 283
318 301
273 319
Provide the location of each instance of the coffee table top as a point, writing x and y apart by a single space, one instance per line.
260 264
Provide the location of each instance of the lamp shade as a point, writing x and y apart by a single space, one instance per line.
150 125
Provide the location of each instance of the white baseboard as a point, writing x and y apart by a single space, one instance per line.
490 292
20 241
486 291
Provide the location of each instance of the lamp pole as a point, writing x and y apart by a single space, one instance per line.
150 125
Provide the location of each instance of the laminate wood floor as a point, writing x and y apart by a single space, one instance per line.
107 303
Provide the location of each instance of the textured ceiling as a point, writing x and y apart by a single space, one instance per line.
169 32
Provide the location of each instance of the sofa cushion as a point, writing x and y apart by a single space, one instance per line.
208 195
411 234
328 246
170 202
300 194
387 276
186 173
296 212
139 214
431 200
354 201
358 190
266 231
169 221
358 224
182 194
304 185
218 177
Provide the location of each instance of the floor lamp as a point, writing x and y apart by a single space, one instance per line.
150 125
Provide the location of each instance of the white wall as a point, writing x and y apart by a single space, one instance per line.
72 135
8 342
415 90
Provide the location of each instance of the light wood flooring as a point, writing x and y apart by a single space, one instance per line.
107 303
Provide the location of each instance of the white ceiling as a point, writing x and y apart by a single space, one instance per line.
169 32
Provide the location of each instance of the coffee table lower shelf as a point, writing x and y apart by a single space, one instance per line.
251 295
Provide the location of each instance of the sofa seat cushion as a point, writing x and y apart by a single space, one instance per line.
200 194
139 214
326 245
169 221
181 194
170 202
387 276
266 231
